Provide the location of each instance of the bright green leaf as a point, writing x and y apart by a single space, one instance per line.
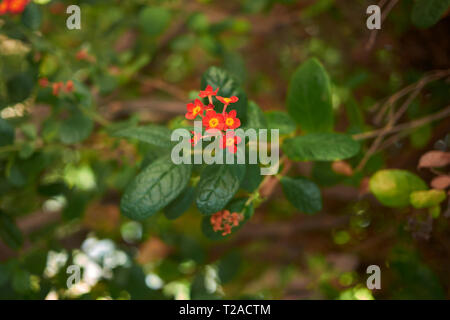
427 198
393 187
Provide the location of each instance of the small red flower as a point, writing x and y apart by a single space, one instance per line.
69 86
57 86
230 141
194 109
224 221
208 92
43 82
13 6
230 120
4 7
213 120
227 101
197 136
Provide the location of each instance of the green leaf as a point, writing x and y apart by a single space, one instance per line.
19 87
281 121
154 20
237 205
427 199
152 134
6 133
309 97
229 266
9 232
217 186
252 178
181 204
426 13
152 189
228 86
21 281
303 194
76 128
255 116
32 16
393 187
321 147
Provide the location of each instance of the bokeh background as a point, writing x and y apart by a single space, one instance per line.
141 62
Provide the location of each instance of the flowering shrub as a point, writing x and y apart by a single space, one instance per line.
87 129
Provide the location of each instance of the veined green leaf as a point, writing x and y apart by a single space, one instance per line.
303 194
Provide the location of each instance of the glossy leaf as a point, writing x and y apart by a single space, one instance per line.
303 194
321 147
153 188
309 97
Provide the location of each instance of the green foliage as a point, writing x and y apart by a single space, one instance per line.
229 86
32 16
427 199
181 204
321 147
154 20
393 187
217 186
309 98
153 188
9 232
281 121
303 194
427 13
152 134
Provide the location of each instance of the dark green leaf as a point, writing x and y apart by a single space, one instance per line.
32 16
309 97
181 204
229 86
9 232
6 133
229 266
217 186
321 147
76 128
19 87
427 13
281 121
153 134
252 178
255 116
303 194
155 187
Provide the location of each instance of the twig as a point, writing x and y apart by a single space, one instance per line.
374 33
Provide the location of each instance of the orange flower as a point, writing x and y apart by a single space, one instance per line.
194 109
43 82
69 86
224 221
13 6
208 92
213 120
230 120
57 87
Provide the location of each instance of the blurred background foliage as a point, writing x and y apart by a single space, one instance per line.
140 61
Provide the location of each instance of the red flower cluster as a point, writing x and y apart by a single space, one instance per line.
57 86
224 221
12 6
212 120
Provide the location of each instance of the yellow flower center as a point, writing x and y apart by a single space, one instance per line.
213 122
227 100
230 141
229 121
196 110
